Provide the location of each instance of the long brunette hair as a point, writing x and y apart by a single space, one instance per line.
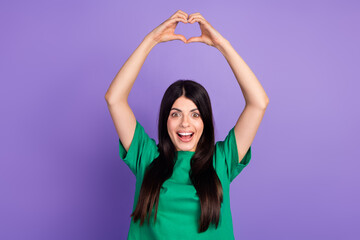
202 173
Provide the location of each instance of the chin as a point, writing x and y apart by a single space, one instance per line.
186 149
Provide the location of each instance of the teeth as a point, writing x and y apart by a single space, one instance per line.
185 134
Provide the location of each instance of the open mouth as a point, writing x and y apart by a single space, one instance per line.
185 136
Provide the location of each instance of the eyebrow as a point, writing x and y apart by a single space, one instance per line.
181 111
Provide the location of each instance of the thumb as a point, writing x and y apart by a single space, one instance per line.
179 37
194 39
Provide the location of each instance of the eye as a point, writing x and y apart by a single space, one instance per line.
175 114
196 115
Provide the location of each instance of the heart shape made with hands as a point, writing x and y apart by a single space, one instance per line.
188 30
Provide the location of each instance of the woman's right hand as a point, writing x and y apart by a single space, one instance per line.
165 31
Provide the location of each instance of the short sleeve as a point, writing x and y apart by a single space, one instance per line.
227 150
142 151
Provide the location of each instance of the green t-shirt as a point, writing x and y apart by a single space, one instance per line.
179 206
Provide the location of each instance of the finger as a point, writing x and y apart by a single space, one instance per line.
196 19
180 13
194 39
179 37
177 19
183 14
180 16
197 13
191 16
199 16
194 15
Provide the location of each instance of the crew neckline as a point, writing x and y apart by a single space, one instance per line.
185 153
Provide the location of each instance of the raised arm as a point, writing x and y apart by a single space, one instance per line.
255 98
119 90
254 94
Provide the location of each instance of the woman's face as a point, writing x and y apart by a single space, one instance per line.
184 124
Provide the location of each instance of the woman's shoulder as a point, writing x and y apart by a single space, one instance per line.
221 146
142 151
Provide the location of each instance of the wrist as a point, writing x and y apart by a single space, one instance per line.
150 39
149 42
223 46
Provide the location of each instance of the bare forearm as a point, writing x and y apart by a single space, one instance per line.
121 85
251 88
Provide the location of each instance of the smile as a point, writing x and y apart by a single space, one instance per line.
185 136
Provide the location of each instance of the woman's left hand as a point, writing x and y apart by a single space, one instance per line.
209 35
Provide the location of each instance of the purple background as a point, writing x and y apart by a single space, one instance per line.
60 173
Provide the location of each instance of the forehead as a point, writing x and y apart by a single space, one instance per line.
184 104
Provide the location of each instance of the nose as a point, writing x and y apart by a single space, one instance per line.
185 121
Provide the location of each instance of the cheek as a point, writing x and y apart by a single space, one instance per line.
170 126
201 131
200 126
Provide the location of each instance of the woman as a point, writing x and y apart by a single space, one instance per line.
182 183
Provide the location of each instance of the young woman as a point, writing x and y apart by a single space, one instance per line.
182 184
